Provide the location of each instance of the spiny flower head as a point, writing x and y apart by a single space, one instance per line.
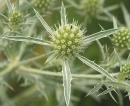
121 38
41 5
124 71
67 40
15 19
91 7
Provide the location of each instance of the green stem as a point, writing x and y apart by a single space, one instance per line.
9 68
33 59
42 72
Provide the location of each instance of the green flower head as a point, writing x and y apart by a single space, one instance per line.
15 19
68 40
42 5
91 7
121 39
124 71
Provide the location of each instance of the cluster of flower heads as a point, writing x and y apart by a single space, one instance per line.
68 40
124 71
15 19
41 5
121 39
91 7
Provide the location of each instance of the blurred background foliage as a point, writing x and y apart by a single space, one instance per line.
28 95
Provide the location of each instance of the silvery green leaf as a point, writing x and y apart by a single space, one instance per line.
27 39
95 89
106 91
122 85
51 58
3 16
114 23
113 97
66 81
126 15
46 26
112 7
96 67
63 15
99 35
101 49
9 5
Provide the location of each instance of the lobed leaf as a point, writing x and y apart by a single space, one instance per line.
96 67
66 81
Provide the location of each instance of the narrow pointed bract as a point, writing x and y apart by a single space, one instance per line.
66 81
46 26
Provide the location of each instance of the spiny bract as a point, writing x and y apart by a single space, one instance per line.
68 40
15 19
41 5
121 39
91 7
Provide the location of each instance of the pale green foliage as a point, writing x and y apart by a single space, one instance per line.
60 46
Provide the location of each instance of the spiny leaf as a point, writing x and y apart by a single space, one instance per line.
96 67
99 35
106 91
114 23
95 89
27 39
126 15
46 26
66 81
122 85
63 15
51 58
9 5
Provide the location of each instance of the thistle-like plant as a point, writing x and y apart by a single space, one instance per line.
68 41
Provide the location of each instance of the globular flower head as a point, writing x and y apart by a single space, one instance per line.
68 40
15 19
121 38
124 71
91 7
41 5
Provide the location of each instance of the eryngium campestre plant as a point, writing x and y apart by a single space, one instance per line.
121 39
68 41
